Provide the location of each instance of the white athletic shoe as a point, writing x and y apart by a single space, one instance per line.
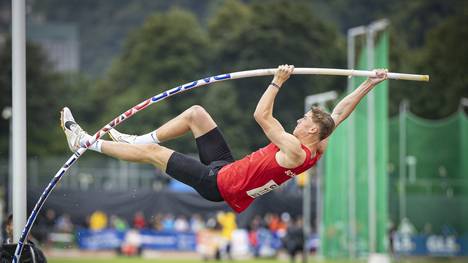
117 136
73 131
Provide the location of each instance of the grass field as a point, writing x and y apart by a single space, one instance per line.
137 260
140 260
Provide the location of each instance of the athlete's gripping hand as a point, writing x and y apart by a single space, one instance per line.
381 75
282 74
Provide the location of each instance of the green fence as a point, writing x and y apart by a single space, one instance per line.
431 189
346 226
435 165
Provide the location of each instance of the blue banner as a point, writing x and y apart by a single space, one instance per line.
96 240
433 245
148 239
168 240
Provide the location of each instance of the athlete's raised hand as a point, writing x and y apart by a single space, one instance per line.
381 75
282 74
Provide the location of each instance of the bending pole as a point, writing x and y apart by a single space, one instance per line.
166 94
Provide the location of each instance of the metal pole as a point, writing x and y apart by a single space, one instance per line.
372 30
320 99
352 34
6 114
306 208
402 197
371 146
307 204
318 194
19 116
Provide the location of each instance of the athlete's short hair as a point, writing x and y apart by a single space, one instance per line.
324 120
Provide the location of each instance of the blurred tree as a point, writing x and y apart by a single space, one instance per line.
423 47
104 25
280 32
221 101
169 50
228 22
46 92
414 19
445 60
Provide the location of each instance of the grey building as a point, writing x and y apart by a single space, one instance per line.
60 42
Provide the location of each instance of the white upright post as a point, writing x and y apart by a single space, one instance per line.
402 192
372 30
320 99
352 34
371 147
19 116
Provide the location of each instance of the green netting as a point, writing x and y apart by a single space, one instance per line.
335 220
436 168
382 142
437 189
336 233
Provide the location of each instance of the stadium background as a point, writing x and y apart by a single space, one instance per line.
102 58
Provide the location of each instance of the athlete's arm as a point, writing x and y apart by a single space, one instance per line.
344 108
288 144
347 105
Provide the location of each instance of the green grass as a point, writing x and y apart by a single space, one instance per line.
140 260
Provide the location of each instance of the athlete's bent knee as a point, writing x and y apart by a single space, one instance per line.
151 152
198 113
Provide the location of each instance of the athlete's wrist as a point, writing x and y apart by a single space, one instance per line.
275 85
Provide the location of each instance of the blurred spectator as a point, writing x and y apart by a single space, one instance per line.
156 222
427 229
228 225
139 221
98 221
294 239
448 230
406 227
253 241
8 230
131 245
118 223
64 224
49 220
181 224
196 223
277 225
211 223
168 222
35 255
45 224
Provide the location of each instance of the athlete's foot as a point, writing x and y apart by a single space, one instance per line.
117 136
74 133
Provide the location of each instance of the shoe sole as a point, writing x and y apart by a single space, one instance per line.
112 137
61 120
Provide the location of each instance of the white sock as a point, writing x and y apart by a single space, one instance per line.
94 147
147 138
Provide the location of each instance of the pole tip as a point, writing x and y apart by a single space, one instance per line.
425 78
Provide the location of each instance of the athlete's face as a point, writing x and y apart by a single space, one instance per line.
305 126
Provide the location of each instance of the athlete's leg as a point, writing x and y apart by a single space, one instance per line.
194 119
154 154
210 141
179 166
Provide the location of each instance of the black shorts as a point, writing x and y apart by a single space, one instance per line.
201 175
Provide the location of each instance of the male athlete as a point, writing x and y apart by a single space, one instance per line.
217 176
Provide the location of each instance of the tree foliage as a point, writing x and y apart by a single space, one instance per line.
172 46
46 93
170 49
